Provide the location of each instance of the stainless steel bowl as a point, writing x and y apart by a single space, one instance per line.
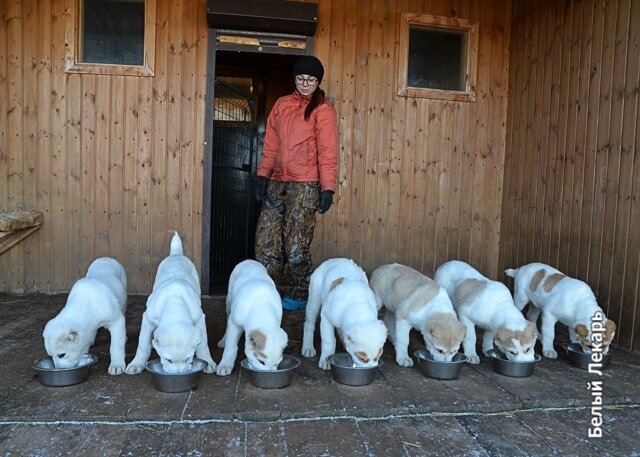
512 368
580 359
439 370
345 372
49 375
273 379
181 382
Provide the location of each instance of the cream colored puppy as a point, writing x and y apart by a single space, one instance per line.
559 298
97 300
489 305
253 307
412 300
173 321
340 293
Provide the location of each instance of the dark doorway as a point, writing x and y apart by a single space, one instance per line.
246 87
233 159
252 46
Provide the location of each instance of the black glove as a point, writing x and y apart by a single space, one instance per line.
261 188
326 198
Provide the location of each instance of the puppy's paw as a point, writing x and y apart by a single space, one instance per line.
550 354
211 367
404 361
473 359
324 364
116 369
134 368
224 370
308 352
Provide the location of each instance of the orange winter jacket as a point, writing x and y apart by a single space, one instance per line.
299 150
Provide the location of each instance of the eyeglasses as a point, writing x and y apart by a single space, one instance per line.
306 81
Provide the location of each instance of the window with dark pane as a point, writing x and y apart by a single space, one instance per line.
436 58
112 32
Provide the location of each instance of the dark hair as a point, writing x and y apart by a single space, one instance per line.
316 99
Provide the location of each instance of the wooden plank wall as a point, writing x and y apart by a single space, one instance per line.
113 162
420 180
572 174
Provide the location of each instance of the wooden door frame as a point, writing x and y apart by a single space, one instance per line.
212 48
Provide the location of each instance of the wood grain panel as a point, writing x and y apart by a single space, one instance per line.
420 180
90 150
158 200
30 132
587 129
333 33
42 278
101 183
630 337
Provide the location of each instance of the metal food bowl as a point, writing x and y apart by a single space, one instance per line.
439 370
49 375
272 379
180 382
516 369
580 359
346 372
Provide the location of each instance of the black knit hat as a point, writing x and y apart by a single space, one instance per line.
309 65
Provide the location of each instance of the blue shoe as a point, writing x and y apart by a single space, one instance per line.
289 304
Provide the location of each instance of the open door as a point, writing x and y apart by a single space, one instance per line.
252 48
233 164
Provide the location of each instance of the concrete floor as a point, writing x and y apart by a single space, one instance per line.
401 413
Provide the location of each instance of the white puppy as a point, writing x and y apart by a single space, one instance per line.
340 293
174 317
412 300
560 298
489 305
253 307
97 300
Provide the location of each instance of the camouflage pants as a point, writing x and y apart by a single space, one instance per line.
284 235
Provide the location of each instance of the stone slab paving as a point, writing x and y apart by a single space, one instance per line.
566 431
400 413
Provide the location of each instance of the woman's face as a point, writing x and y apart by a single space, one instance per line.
306 84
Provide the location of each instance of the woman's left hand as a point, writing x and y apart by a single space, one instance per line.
326 198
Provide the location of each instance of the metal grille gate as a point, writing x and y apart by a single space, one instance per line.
234 162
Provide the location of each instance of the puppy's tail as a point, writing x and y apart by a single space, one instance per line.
511 272
176 245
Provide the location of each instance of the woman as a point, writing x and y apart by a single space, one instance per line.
295 178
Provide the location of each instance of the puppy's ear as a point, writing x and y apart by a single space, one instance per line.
504 334
610 326
257 339
581 330
529 331
609 330
362 356
70 337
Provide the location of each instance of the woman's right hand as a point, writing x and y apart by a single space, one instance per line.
261 188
